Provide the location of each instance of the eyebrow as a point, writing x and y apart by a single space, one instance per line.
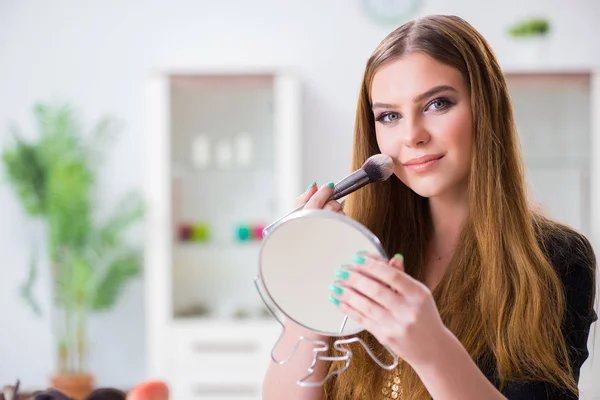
419 98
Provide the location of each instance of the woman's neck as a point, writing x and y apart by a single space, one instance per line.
448 216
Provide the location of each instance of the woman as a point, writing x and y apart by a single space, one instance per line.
489 299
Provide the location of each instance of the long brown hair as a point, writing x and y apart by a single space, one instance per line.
501 296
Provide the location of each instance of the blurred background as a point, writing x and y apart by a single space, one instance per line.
145 144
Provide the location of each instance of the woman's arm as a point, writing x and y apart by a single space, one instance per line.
281 380
453 375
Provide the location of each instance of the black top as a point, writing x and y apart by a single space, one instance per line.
574 260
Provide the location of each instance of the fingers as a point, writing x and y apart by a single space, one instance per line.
317 198
320 197
304 197
350 298
367 295
397 261
372 268
333 205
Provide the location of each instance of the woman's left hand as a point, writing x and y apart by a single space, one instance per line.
396 308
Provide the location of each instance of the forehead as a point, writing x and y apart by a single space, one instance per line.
404 78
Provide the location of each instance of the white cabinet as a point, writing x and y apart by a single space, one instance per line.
557 118
224 153
220 360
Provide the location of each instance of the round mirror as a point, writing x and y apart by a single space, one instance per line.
298 261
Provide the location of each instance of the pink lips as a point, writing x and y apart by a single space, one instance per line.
423 163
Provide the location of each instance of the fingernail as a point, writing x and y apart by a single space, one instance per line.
330 185
336 289
340 273
362 252
335 301
311 186
358 259
399 256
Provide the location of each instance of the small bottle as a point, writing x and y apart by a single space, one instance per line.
243 148
223 153
201 151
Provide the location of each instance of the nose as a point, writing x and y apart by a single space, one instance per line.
415 134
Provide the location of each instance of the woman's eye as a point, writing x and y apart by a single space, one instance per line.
388 117
438 104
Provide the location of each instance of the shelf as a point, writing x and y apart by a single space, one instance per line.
225 323
185 169
216 245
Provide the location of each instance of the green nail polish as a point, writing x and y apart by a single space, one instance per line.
335 301
330 185
336 289
311 186
399 257
358 259
362 252
342 274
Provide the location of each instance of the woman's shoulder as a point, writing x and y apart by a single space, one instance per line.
565 247
573 257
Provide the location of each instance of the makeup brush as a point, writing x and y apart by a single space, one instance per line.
377 168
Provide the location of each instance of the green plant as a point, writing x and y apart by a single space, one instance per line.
530 27
90 259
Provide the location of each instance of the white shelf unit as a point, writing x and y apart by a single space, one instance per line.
555 117
208 333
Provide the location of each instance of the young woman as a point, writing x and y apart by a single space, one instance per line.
489 299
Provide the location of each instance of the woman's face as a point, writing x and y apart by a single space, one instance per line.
423 121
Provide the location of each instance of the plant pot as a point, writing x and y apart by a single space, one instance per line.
77 386
530 51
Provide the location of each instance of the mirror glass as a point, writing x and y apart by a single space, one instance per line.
298 261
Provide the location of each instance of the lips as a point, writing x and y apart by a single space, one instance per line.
423 159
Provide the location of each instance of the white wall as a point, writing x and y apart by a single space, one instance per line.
97 54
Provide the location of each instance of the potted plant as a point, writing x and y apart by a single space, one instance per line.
530 39
533 27
90 258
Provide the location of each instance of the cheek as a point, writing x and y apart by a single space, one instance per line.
457 134
388 145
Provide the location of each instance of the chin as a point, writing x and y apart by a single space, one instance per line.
426 189
427 192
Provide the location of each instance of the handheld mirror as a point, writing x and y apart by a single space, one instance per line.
298 260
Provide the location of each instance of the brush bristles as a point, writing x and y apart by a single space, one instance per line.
379 167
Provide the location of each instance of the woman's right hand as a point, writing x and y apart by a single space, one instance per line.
316 198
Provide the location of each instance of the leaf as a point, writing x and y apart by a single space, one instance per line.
68 180
118 273
28 285
69 204
109 236
26 172
530 27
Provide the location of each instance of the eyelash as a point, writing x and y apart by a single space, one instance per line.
446 104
